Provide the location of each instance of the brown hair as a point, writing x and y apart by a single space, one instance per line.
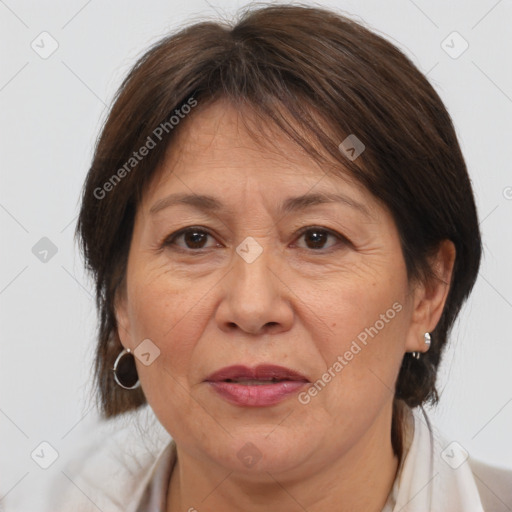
320 77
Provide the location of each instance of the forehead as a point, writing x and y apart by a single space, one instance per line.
231 136
221 149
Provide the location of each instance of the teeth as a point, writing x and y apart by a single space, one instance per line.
252 382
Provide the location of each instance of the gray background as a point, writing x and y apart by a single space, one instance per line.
52 110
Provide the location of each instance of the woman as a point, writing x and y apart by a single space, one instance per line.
282 232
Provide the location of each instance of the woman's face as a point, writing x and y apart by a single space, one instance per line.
262 278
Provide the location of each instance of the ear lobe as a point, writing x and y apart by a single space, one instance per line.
430 297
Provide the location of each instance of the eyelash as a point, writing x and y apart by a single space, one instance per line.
171 239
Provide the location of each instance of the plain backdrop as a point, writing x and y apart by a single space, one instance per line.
52 109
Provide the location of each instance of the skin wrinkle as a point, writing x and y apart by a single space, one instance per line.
211 311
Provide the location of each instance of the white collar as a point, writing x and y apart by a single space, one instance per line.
435 474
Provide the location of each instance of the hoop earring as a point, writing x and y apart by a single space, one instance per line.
125 371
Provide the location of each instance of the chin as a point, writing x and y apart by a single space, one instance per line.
257 451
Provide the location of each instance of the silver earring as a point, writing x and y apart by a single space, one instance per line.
428 339
125 371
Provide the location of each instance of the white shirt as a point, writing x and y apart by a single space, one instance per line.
131 474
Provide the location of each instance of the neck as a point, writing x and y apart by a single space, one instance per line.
360 479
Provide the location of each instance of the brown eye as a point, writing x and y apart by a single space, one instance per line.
194 238
316 238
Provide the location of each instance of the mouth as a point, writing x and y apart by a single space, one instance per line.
262 374
263 385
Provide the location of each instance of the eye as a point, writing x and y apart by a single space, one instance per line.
316 237
194 238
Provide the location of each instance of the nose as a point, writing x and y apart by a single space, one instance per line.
255 300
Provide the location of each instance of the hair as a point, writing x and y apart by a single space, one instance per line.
319 77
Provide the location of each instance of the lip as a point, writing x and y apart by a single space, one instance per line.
287 382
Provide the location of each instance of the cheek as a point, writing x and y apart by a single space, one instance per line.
173 319
162 305
368 322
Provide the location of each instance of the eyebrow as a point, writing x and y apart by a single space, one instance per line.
290 205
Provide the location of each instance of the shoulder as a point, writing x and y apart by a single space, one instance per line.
111 469
494 485
456 481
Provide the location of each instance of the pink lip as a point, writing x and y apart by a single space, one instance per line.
256 395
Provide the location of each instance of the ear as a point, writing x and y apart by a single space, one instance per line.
430 297
122 317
